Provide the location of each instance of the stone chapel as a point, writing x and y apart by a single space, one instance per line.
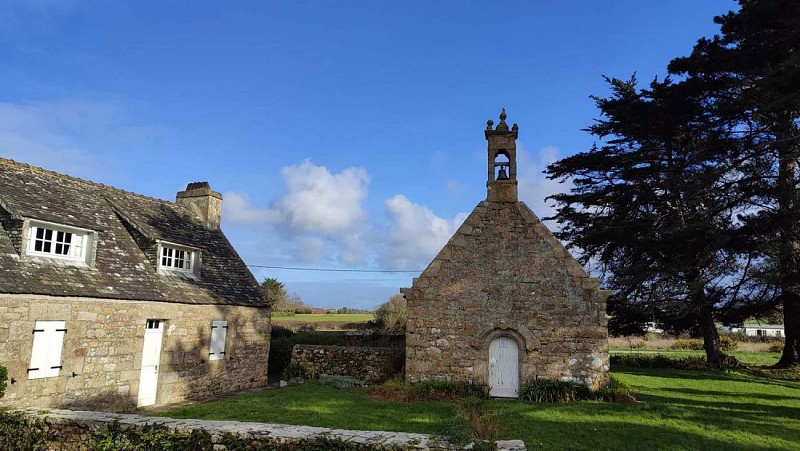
504 302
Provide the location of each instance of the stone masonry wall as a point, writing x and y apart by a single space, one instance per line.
368 364
102 351
504 274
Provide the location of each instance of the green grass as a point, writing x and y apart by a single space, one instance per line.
325 318
315 405
748 358
676 410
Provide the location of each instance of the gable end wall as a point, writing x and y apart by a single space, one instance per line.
504 274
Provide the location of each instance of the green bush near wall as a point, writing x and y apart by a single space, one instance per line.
3 380
21 433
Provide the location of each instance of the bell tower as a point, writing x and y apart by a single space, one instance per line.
501 185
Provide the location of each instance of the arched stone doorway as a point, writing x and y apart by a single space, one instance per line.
503 367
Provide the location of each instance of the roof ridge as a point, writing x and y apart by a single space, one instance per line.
10 162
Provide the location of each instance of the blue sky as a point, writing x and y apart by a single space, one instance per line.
343 135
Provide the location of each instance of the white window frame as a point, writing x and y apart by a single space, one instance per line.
48 343
191 258
80 241
219 332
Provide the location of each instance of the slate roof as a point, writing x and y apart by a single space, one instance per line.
122 269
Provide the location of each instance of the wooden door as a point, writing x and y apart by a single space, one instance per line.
151 356
503 368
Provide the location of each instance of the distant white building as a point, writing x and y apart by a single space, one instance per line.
757 330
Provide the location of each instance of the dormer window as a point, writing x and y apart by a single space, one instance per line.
177 259
57 241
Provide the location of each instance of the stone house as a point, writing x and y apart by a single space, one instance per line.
504 302
110 299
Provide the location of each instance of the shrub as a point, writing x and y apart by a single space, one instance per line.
281 331
338 381
20 433
392 313
473 424
113 437
663 361
3 379
295 370
234 442
552 390
303 310
693 344
776 346
398 390
615 391
728 343
307 328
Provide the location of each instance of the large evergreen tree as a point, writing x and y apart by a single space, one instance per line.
752 76
654 206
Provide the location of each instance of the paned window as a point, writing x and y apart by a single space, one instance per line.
173 258
48 340
53 241
219 330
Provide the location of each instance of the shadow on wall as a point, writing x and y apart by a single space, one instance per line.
185 371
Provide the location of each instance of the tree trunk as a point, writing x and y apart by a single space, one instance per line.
791 324
714 354
705 311
789 235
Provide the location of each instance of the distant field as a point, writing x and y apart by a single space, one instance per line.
325 318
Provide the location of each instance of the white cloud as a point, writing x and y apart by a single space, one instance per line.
416 234
238 208
320 210
318 201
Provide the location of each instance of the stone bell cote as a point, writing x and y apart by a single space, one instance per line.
501 185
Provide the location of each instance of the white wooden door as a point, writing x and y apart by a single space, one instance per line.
151 356
503 368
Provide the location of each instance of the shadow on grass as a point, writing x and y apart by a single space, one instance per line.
742 375
598 434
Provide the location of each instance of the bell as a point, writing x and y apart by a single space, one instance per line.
502 174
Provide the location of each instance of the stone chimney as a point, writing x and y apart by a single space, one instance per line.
502 162
205 204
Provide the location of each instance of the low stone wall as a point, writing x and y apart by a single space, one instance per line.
369 365
71 431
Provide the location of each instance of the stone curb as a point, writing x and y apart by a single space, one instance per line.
279 432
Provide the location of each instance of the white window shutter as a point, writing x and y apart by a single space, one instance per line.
48 341
55 346
77 245
219 331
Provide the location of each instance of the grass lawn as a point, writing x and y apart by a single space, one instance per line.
748 358
315 405
325 318
676 410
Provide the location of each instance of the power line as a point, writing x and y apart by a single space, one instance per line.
294 268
